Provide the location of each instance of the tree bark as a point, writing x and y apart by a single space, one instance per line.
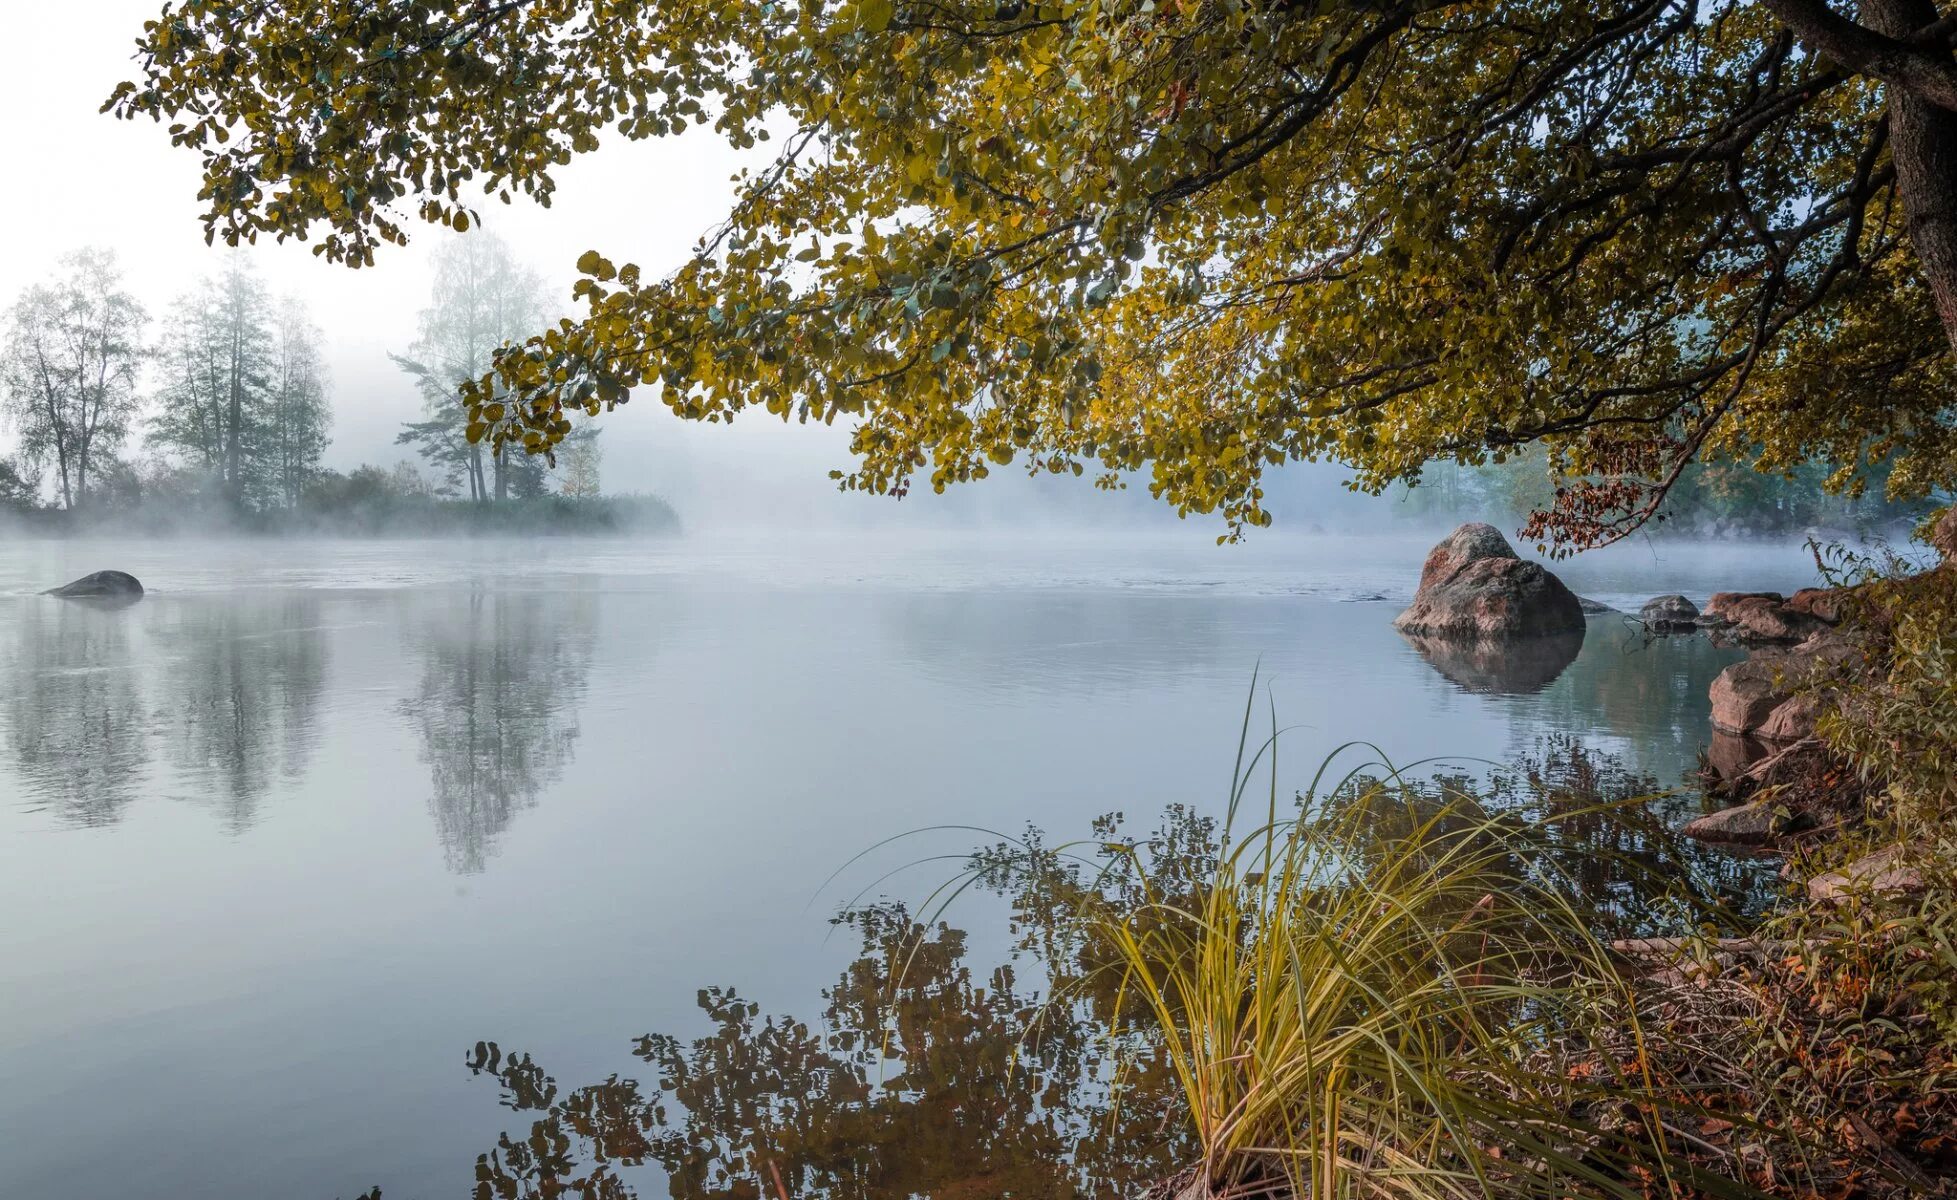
1923 145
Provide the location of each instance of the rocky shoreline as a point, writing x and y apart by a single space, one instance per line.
1479 602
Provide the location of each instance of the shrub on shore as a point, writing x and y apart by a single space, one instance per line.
362 504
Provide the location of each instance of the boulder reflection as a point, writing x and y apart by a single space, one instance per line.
496 709
1517 666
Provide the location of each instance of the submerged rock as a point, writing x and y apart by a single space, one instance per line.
1511 666
1474 587
1764 618
1668 614
102 585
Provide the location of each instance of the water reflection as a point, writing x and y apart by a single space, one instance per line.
924 1078
1647 694
496 708
240 694
928 1077
1517 666
75 709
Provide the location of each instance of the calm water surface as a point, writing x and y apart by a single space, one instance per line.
281 844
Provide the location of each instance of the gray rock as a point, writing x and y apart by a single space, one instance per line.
117 586
1754 824
1667 614
1889 871
1594 607
1474 587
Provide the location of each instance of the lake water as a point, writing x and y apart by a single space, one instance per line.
280 844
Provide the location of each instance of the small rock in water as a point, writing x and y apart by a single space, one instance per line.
102 585
1760 619
1667 614
1754 824
1594 607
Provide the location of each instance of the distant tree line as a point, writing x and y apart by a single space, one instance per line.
240 393
1709 498
222 417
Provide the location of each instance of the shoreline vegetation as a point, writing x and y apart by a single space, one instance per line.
368 502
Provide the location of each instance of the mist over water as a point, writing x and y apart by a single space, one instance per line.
315 816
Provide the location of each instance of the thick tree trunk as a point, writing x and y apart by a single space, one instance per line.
1923 145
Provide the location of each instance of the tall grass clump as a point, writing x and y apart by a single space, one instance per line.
1382 990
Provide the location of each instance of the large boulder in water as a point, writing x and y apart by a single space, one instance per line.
118 586
1474 586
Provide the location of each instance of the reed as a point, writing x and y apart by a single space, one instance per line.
1380 991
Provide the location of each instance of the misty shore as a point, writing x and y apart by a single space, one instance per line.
392 517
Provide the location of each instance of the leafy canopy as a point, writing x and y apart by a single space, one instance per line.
1187 237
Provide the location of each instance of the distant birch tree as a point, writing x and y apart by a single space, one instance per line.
219 358
481 299
69 367
300 409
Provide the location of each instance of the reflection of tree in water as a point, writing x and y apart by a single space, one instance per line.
75 716
926 1079
242 690
1077 641
919 1084
502 679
